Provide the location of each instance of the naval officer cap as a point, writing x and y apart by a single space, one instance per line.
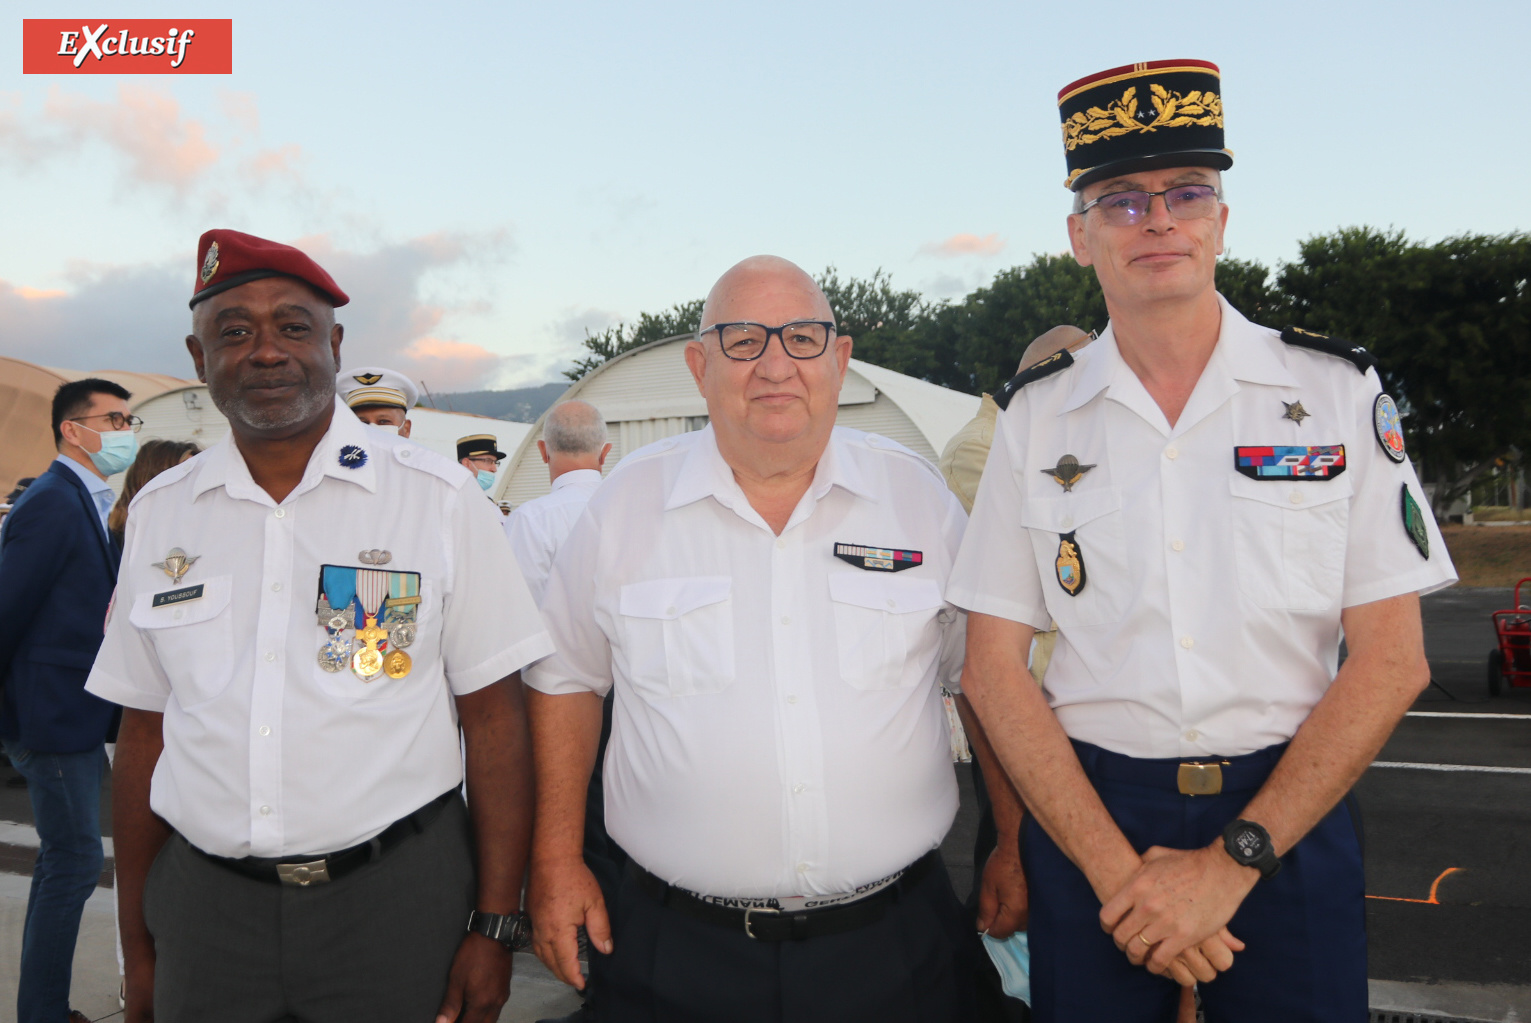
1159 113
479 444
226 259
376 385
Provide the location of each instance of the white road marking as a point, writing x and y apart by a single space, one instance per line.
1465 714
1474 768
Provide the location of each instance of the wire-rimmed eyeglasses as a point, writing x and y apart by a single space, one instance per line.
1184 202
746 342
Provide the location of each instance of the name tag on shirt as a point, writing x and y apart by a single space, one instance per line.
180 596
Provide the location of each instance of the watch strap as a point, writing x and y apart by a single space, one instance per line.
511 930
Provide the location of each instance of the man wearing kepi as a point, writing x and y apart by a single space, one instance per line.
764 597
378 397
305 615
1202 505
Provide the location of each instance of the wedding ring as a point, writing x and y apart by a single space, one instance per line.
1145 941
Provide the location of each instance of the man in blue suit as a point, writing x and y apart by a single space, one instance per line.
58 566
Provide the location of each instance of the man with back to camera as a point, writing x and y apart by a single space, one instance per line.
310 617
764 600
1208 504
58 565
379 397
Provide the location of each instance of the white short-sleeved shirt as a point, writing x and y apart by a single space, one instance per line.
778 726
1209 619
266 753
539 527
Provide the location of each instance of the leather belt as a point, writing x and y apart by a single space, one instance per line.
1195 776
764 924
303 871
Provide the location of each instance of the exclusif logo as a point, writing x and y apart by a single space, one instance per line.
137 46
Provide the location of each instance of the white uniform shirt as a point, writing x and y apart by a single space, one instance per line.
1209 622
539 527
266 753
778 726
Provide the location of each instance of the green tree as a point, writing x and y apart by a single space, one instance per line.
1450 324
885 323
680 318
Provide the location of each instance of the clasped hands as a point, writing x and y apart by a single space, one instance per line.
1171 913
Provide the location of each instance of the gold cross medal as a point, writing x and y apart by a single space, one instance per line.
1070 565
371 639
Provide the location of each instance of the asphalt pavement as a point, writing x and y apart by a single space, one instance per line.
1448 851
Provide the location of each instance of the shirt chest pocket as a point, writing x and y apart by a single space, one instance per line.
193 639
886 633
678 635
1289 540
1096 560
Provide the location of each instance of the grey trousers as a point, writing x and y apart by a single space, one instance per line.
376 945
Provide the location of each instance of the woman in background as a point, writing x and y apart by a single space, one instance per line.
154 457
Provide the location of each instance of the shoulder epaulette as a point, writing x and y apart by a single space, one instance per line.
1047 367
1354 354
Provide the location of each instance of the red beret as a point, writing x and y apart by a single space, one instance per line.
226 259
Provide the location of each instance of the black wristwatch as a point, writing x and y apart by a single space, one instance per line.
513 931
1250 846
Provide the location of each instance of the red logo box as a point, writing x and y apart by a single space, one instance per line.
132 46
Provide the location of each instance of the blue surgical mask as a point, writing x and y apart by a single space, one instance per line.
118 449
485 480
1012 958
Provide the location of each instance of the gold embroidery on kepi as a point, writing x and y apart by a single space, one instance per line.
1070 565
1067 472
210 264
1295 412
367 379
1152 114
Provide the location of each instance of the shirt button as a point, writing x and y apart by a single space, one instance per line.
802 868
785 620
281 513
792 699
893 603
669 610
780 543
265 811
1177 545
404 453
265 729
1192 735
270 655
179 614
276 587
798 788
1296 497
1187 642
1172 452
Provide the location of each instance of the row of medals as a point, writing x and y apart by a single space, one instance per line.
361 654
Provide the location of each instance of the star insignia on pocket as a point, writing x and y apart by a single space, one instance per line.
1295 412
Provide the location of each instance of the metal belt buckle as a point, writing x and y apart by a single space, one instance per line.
757 909
302 875
1200 779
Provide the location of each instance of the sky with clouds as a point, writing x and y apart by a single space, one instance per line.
489 181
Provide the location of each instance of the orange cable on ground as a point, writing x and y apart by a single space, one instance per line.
1434 889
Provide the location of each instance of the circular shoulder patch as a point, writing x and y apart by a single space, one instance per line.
352 457
1389 428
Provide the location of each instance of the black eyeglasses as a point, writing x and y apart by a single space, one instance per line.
117 419
1184 202
746 342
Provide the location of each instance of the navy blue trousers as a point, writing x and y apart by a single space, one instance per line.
1305 928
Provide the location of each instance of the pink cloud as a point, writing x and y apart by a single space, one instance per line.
965 245
145 126
445 365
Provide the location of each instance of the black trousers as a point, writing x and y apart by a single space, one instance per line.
376 945
915 965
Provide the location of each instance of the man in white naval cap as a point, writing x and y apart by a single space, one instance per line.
379 396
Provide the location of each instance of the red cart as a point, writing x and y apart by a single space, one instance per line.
1510 664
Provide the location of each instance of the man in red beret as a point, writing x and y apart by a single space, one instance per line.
299 632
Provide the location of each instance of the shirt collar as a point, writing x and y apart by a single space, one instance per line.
224 466
574 476
704 473
1243 352
93 483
